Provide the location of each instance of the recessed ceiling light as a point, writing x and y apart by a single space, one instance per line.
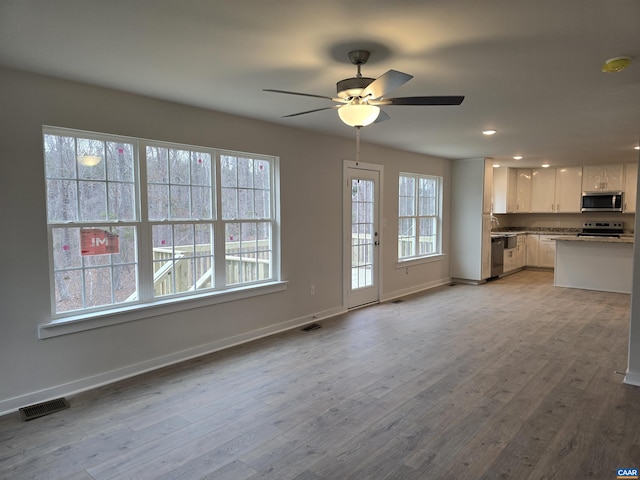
517 157
489 132
616 64
637 147
545 165
496 165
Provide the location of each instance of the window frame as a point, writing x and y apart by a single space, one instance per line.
148 304
405 261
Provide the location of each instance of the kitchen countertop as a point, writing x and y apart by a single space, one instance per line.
575 238
566 234
540 231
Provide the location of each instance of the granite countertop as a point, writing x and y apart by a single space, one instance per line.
564 234
541 231
545 231
575 238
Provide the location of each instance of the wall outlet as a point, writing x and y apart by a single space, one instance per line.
313 290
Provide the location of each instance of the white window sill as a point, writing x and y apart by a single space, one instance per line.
82 322
419 261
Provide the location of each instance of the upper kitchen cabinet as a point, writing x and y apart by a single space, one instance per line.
543 190
630 187
556 190
602 178
505 182
568 189
487 188
523 190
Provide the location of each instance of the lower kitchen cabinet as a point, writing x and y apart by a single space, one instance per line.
515 258
521 251
533 241
547 255
509 260
541 250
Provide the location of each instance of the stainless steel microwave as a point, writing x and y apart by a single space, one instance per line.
602 202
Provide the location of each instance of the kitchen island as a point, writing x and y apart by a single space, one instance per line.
594 263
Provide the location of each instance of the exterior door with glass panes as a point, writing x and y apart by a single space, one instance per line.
362 242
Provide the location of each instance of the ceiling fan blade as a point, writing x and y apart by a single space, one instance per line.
382 116
438 100
385 83
310 111
296 93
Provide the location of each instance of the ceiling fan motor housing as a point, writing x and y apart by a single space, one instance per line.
352 87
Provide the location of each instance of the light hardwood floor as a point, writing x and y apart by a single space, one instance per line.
514 379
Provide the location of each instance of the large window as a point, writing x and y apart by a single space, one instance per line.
419 216
132 221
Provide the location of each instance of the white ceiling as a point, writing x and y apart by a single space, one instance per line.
530 69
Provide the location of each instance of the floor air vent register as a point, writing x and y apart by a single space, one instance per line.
42 409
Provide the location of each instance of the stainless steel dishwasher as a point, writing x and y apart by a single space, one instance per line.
497 255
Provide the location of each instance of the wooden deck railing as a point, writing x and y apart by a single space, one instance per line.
189 264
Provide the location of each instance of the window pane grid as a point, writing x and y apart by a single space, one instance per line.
83 281
418 216
362 235
248 252
75 192
179 185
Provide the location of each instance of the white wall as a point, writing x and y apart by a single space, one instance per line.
33 370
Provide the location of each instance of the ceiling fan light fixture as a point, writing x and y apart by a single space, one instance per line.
89 160
616 64
358 115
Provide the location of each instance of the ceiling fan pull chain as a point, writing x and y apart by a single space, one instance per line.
358 145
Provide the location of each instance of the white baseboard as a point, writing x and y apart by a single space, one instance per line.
12 404
414 289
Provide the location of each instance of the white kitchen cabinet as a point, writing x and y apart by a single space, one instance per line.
543 190
499 190
521 251
523 191
602 178
630 187
547 251
568 189
515 258
533 242
505 181
556 190
541 250
509 262
487 189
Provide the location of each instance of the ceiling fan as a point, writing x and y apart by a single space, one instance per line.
359 98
